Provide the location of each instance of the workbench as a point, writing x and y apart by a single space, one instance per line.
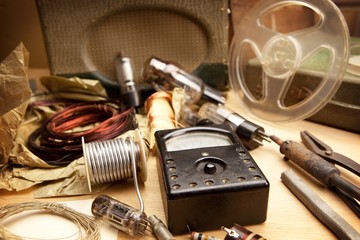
287 217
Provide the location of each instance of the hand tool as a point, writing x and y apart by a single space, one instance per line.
325 151
341 228
316 166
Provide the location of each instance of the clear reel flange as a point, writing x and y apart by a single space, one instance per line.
270 68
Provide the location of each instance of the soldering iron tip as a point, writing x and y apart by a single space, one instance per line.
277 140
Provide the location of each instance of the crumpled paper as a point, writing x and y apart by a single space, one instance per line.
177 102
24 169
20 169
57 88
69 180
14 84
15 93
74 88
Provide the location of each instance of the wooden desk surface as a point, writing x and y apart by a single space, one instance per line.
287 217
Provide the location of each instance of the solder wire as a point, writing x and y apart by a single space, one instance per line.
110 160
133 164
113 160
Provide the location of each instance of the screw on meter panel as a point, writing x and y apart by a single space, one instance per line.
206 171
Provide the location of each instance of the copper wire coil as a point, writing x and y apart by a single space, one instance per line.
58 140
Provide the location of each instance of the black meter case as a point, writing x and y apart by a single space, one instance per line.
208 179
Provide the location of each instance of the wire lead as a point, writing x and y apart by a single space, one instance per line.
257 141
264 136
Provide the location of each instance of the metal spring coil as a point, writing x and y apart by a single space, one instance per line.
111 160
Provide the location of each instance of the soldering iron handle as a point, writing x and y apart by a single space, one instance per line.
309 161
318 167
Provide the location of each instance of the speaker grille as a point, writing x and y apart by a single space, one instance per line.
86 35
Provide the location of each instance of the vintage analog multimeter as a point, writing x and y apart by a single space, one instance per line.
208 179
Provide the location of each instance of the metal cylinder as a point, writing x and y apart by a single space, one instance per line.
159 229
111 160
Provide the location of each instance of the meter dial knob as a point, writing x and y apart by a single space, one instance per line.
210 168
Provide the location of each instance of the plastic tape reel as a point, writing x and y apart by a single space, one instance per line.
283 55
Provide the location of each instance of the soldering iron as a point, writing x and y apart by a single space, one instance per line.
316 166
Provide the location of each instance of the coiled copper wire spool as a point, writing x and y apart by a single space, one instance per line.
58 140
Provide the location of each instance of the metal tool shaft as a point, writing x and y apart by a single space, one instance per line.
318 207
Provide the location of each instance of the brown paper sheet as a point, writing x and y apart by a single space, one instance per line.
19 168
14 95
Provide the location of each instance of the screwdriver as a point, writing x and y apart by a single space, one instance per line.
328 216
316 166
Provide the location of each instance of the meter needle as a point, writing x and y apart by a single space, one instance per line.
316 166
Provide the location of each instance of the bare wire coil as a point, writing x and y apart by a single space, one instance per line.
58 140
88 227
115 160
110 160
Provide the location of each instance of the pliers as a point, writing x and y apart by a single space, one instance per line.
325 151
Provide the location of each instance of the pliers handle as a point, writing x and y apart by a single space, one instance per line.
324 151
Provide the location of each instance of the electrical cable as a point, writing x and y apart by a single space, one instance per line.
134 170
88 227
58 140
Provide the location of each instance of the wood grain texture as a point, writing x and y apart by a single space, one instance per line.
287 217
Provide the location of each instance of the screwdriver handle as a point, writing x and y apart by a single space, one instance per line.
309 161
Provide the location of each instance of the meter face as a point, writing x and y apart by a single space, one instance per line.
203 167
197 139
